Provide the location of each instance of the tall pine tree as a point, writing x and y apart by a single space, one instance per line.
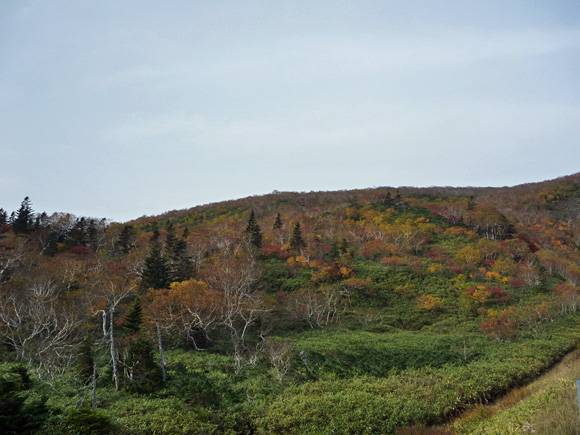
126 241
156 271
23 220
143 374
254 230
181 264
297 242
134 318
170 237
77 236
278 222
85 360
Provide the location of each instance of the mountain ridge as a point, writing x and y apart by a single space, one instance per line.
492 195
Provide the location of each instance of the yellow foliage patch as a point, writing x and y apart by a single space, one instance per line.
429 302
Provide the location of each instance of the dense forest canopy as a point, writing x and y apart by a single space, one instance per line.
275 313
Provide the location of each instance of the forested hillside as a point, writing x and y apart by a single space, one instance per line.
376 311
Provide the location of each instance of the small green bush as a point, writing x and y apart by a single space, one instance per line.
85 421
21 410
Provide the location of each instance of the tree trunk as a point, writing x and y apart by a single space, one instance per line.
113 353
105 324
94 398
161 358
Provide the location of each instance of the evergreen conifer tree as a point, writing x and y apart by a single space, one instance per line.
92 235
254 230
296 241
41 221
334 250
51 244
126 241
23 220
344 246
181 263
21 410
156 271
134 319
77 236
85 360
278 222
144 375
170 237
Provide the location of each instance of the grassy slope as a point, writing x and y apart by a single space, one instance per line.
546 406
430 393
345 390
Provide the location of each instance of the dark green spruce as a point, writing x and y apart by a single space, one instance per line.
297 243
254 231
24 218
156 271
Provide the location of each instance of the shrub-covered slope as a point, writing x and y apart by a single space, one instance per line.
363 311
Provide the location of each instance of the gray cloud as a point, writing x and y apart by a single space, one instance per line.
123 108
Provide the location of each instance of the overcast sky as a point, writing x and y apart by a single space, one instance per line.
117 109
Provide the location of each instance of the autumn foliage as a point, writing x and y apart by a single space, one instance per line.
252 283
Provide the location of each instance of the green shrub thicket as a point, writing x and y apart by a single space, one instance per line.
428 394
